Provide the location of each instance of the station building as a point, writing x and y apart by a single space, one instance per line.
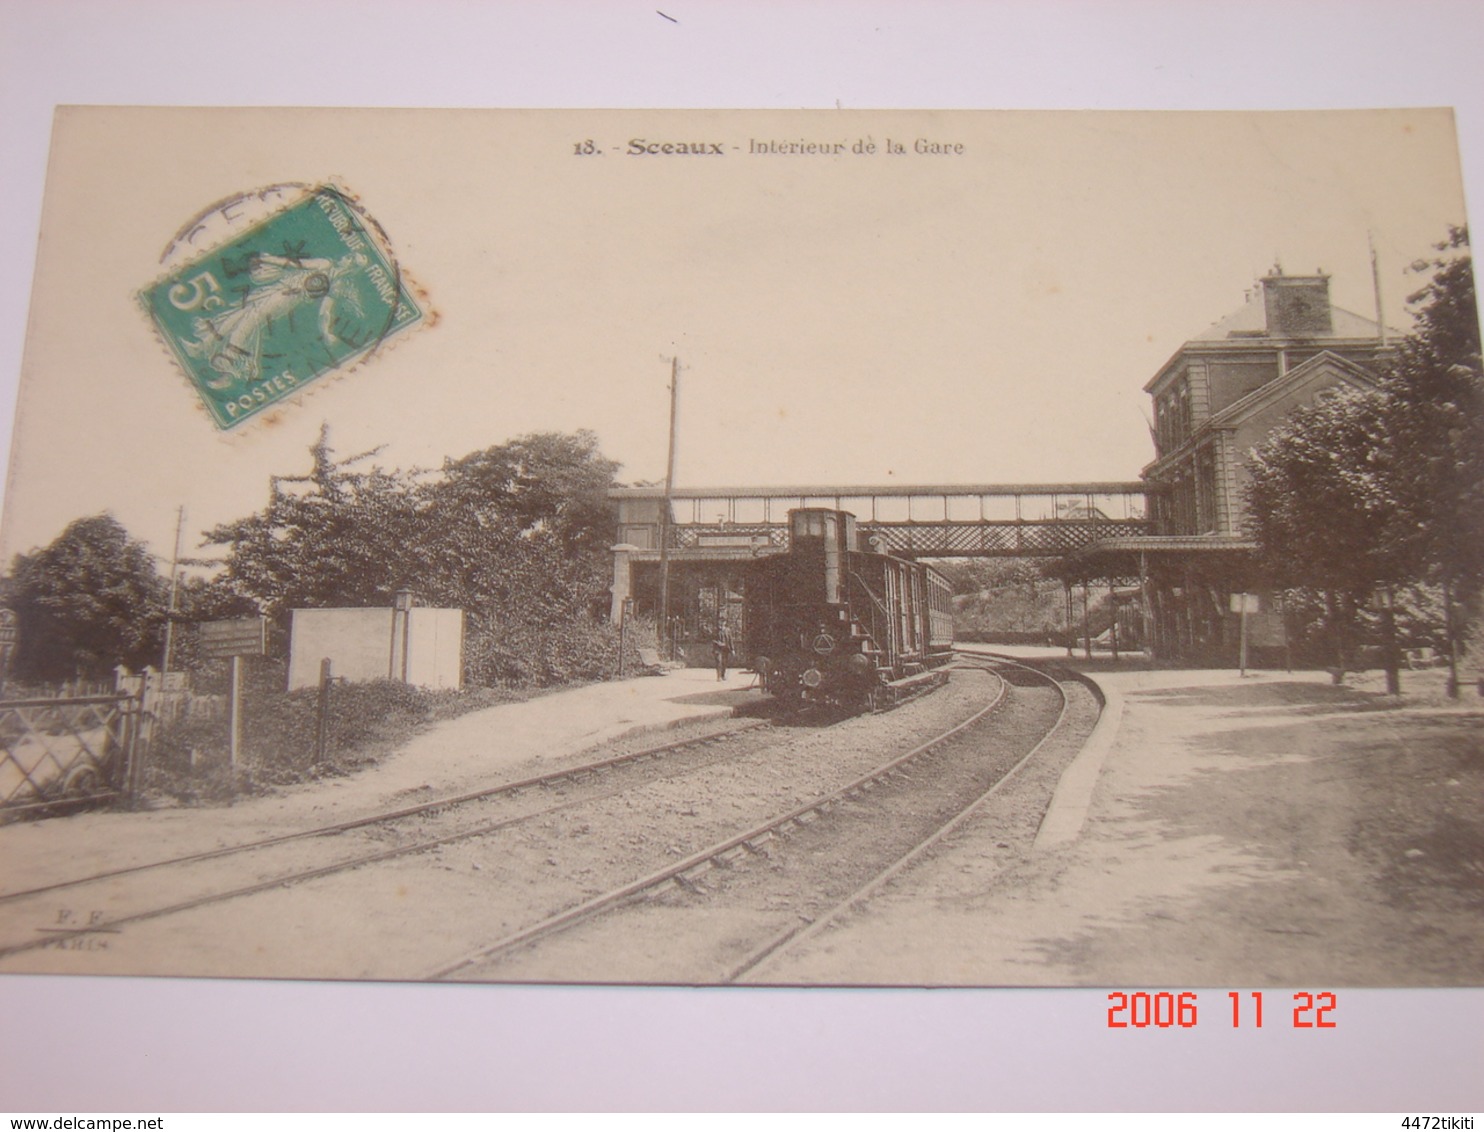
1216 399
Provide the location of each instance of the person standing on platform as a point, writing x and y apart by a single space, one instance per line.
722 645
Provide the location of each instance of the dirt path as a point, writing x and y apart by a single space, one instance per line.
1267 832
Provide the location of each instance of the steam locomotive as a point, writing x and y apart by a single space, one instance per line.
833 622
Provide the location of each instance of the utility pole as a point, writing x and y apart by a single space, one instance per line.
174 591
1376 283
1086 621
666 641
1146 614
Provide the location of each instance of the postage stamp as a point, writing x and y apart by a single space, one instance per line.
309 291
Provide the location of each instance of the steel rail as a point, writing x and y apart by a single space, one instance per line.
710 855
549 779
799 933
285 879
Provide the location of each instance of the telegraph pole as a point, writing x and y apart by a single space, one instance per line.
1376 283
174 591
666 643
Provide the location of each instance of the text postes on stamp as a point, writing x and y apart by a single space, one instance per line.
309 291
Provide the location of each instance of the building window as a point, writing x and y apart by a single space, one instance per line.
1205 491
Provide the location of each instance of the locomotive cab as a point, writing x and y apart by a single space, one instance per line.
820 540
832 621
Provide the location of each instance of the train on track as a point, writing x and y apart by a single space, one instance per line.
835 622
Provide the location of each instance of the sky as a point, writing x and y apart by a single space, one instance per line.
944 297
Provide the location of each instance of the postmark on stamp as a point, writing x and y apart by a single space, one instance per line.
311 290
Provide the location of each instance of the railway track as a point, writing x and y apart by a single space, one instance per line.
807 929
873 827
565 853
173 887
554 780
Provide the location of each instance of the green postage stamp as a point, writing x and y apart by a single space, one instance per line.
309 291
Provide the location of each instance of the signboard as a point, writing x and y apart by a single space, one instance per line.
243 636
1244 603
745 541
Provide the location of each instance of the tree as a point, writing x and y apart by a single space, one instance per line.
998 596
1323 506
516 535
526 525
1436 432
89 601
1373 492
337 535
523 535
548 481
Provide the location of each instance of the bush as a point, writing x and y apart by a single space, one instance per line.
366 721
502 662
528 654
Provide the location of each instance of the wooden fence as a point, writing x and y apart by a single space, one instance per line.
167 698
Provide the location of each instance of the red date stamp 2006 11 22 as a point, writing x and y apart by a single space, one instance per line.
1166 1009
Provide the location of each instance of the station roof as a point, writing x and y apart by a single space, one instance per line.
1250 321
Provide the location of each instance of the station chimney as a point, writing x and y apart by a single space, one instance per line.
1297 306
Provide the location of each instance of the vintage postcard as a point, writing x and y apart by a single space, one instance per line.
829 548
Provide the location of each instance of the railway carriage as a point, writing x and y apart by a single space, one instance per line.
835 622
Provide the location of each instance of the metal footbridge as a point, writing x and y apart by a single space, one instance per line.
918 521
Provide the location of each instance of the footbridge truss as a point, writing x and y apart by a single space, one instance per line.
919 521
